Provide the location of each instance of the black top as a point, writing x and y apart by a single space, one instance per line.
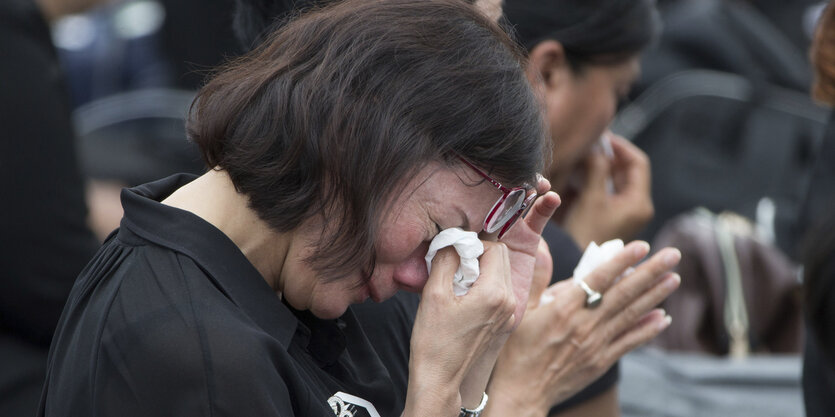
170 318
391 336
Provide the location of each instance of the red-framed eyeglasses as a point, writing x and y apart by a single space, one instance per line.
510 207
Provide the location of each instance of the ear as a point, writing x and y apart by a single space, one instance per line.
547 64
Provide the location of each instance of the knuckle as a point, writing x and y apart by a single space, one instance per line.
494 299
631 314
435 293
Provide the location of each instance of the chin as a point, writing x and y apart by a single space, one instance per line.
329 312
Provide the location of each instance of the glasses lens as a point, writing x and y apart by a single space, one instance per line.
521 213
506 210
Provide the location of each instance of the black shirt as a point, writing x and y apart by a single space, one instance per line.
170 318
391 336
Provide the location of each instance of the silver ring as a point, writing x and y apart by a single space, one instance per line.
593 298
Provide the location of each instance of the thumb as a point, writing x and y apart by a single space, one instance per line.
543 269
444 265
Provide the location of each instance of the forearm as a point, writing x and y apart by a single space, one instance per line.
426 397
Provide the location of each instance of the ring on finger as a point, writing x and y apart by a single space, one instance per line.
593 298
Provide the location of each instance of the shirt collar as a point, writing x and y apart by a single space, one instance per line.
221 260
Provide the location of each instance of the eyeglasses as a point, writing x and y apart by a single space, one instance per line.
511 206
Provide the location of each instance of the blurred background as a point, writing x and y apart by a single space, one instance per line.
722 108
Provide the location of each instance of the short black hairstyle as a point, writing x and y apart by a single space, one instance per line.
590 31
340 106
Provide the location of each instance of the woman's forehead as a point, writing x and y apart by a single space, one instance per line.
459 195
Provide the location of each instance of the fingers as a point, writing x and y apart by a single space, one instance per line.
494 288
631 166
542 184
602 278
649 299
624 150
645 330
639 282
444 265
542 211
598 170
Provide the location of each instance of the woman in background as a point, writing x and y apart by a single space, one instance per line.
819 215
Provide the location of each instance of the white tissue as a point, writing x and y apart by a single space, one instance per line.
594 256
469 248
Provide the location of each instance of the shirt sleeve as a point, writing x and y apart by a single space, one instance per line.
170 349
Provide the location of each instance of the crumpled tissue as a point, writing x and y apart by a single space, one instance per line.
593 257
469 248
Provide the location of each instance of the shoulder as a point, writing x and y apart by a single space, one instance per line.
174 341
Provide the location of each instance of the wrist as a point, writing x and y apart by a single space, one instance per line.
429 393
507 403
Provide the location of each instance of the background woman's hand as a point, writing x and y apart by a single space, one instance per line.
599 213
562 346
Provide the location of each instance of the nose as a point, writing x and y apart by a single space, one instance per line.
411 274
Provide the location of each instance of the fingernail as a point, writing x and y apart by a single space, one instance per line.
641 249
665 323
672 257
672 281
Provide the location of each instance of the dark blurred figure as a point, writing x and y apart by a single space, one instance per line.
44 239
733 36
819 259
133 67
723 111
196 37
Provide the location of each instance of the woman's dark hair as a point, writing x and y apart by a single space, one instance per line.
590 31
340 107
823 57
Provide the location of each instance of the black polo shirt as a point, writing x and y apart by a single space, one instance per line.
171 319
391 335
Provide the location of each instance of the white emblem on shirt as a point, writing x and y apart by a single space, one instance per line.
347 405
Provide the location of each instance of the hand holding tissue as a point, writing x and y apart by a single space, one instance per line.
593 257
469 248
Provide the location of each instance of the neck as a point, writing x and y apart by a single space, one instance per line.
213 198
